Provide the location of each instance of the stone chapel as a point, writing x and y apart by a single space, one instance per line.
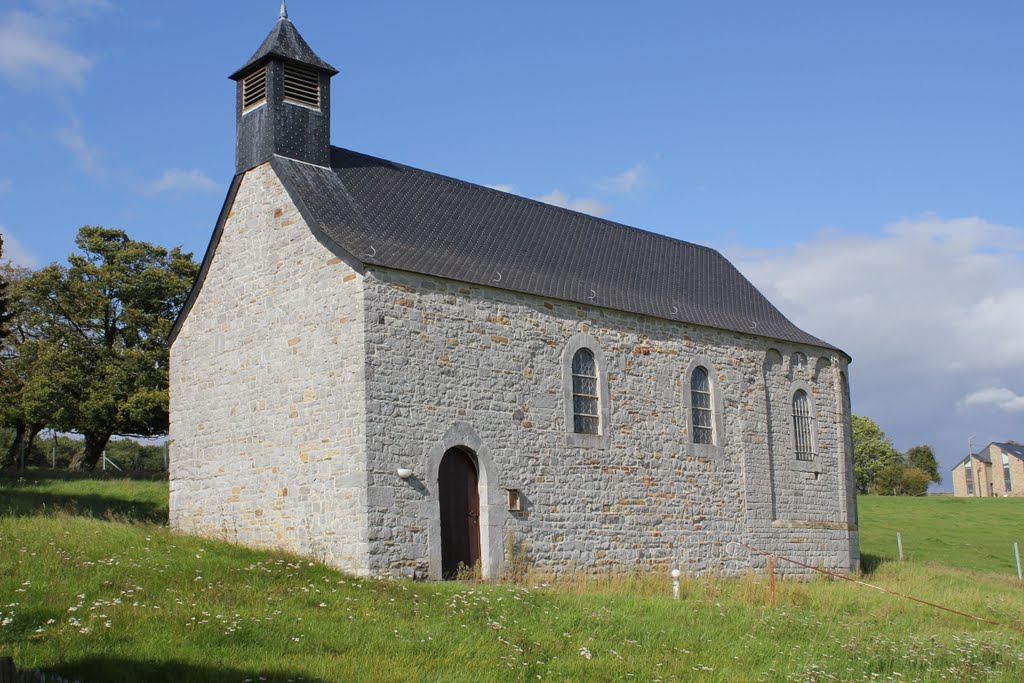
398 373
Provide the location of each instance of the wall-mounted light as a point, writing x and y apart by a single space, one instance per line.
404 473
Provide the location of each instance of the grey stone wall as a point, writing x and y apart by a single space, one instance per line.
267 390
448 361
299 387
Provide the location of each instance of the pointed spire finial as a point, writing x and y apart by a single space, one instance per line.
284 9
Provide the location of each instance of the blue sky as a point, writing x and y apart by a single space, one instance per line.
861 162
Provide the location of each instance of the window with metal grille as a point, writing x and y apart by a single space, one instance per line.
301 86
1006 473
254 89
969 478
700 406
585 397
802 426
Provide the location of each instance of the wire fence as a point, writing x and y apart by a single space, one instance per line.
772 557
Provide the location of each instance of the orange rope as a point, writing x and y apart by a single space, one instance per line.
879 588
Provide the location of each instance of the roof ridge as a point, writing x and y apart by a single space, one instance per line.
538 202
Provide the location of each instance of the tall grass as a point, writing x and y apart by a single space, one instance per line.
102 600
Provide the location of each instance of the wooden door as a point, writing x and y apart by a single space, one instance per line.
459 497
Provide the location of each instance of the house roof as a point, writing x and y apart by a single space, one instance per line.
285 42
381 213
1008 448
1015 450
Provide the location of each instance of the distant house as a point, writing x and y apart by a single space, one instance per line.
998 470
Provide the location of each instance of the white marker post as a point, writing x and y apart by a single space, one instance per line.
899 544
1016 553
675 582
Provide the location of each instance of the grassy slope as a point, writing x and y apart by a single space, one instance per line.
971 533
137 602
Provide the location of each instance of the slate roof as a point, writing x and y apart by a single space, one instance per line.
284 41
381 213
1011 449
1008 448
983 457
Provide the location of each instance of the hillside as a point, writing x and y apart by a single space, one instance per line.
970 533
118 597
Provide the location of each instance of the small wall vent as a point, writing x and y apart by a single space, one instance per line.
301 86
254 89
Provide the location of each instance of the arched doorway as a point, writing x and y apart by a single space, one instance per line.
459 498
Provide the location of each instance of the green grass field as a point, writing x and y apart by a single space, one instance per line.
95 587
971 533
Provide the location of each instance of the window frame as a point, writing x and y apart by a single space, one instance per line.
814 463
705 426
693 448
577 439
592 400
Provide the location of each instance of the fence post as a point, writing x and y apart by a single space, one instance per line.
771 579
899 544
1016 554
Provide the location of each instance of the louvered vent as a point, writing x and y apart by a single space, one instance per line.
254 88
301 86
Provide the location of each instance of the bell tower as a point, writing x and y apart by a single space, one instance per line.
283 104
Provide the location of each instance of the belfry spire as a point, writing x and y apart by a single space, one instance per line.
283 101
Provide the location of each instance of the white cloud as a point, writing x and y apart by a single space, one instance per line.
930 293
502 187
32 53
6 185
929 310
997 397
87 156
178 180
582 204
627 181
16 252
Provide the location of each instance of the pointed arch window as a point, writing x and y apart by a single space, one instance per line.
701 407
1007 483
969 477
586 399
802 427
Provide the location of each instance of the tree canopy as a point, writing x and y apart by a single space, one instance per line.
5 311
923 458
98 330
872 451
881 469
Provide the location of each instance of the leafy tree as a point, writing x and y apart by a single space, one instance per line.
915 481
18 355
5 311
897 479
102 324
923 458
872 451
